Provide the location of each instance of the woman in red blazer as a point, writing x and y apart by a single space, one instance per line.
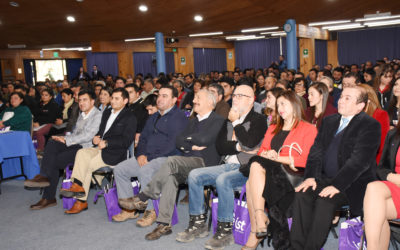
373 109
320 107
267 178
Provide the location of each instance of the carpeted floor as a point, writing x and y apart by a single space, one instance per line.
21 228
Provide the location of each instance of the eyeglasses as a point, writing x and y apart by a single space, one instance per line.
239 96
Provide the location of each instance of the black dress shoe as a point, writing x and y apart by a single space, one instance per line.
43 203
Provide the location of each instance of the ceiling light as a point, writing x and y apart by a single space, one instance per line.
14 4
376 18
16 46
238 37
271 32
382 23
139 39
260 29
70 19
79 1
143 8
207 34
328 22
343 27
250 38
68 49
198 18
279 34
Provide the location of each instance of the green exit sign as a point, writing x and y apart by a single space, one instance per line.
174 50
55 54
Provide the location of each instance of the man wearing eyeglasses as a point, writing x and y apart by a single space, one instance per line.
156 143
241 133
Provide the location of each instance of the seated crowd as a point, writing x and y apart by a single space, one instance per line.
303 146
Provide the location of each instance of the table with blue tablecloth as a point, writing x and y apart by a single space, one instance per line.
13 145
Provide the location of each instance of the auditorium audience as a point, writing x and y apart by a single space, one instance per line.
156 143
148 88
197 145
270 101
222 108
275 150
373 109
115 135
269 83
334 93
187 102
300 89
228 86
320 107
381 201
61 150
44 119
178 85
383 86
394 104
240 134
341 163
17 116
105 98
150 104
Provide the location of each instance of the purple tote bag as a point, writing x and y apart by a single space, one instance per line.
111 199
351 234
241 225
67 202
174 219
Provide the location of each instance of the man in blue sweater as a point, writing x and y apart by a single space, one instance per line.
156 143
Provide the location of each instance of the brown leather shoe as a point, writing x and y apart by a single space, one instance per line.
43 203
133 203
149 217
78 207
125 215
39 181
74 191
159 231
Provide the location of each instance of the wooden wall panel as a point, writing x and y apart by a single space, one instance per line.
332 48
306 62
125 63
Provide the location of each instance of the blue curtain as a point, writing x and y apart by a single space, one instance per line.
107 62
372 44
73 66
207 60
146 62
260 53
321 53
30 72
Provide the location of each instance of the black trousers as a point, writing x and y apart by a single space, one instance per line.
56 156
312 217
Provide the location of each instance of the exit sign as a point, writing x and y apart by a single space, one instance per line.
55 54
174 50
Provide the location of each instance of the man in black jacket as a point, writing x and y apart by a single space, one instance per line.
197 143
96 73
340 165
240 134
115 135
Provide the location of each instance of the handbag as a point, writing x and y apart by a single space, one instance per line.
174 219
66 184
293 174
351 235
111 198
241 225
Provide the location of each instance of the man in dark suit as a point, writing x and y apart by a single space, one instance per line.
116 133
96 74
340 165
82 75
197 143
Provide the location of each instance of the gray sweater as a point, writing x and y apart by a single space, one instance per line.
85 129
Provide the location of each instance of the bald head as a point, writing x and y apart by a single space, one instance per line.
243 99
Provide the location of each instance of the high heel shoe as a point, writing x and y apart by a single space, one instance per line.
259 241
262 232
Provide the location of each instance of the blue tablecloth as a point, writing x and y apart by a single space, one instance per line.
13 145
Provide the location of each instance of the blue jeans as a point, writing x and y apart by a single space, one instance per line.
226 178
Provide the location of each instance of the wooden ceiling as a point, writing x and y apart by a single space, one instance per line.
41 23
